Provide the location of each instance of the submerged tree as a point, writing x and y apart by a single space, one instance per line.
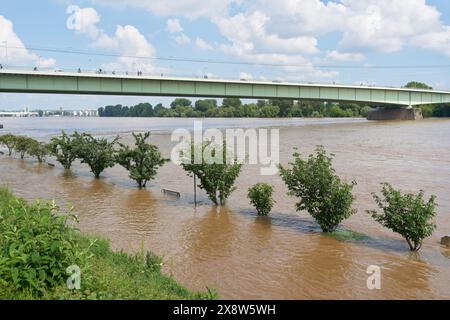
8 140
98 154
142 161
216 172
260 196
321 192
37 149
22 144
65 148
408 214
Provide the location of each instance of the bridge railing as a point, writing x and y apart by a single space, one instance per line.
134 73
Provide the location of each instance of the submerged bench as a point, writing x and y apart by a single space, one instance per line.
171 193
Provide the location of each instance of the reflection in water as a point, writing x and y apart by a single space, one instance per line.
280 256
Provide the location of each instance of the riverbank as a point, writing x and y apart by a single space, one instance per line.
105 274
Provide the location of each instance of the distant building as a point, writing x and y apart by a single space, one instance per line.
24 113
83 113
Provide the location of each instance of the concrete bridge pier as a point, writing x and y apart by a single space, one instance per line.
406 113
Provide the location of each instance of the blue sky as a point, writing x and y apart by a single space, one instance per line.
343 41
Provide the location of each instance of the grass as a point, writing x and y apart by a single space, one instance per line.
105 274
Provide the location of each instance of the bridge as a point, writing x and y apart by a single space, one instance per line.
56 82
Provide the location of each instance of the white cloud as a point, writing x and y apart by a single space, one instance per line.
191 9
13 51
203 45
134 49
380 25
174 26
438 40
336 55
182 39
84 21
245 76
249 33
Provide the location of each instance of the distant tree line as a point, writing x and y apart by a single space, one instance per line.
434 110
234 108
272 108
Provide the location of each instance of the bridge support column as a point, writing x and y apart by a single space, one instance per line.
408 113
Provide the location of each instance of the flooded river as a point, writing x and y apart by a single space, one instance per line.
244 256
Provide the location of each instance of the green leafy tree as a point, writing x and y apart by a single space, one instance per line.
22 144
407 214
203 105
321 192
38 149
418 85
65 148
9 141
216 173
98 154
180 102
260 196
142 161
231 102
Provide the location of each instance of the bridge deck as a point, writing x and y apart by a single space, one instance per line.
110 84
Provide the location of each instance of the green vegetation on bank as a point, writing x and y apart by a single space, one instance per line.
39 243
272 108
234 108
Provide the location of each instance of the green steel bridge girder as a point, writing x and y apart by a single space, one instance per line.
102 84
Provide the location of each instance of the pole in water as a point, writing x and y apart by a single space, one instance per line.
195 190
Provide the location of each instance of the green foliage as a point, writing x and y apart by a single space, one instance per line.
321 192
98 154
143 161
65 148
233 107
9 141
408 214
21 145
427 110
180 102
260 196
418 85
231 102
203 105
37 245
216 172
37 149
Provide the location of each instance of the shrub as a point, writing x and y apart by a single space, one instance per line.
408 214
8 140
260 196
143 161
37 149
98 154
22 144
65 148
217 174
321 192
37 245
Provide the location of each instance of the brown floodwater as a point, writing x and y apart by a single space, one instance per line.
283 256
